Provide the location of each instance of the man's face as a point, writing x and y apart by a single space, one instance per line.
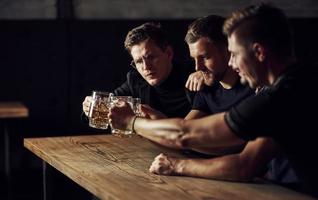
209 58
244 62
153 64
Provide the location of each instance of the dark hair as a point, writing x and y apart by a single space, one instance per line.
144 32
210 27
264 24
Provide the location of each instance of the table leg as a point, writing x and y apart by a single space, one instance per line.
6 151
44 181
7 158
47 177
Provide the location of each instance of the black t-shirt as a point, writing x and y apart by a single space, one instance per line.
215 99
170 97
285 112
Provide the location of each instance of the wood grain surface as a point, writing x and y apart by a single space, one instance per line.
13 110
117 168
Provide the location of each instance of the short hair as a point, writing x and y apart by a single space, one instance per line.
209 27
149 30
265 24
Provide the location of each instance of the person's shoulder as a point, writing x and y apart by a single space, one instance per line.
301 75
133 73
312 67
302 66
301 70
309 73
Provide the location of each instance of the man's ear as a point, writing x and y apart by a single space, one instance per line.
169 52
259 51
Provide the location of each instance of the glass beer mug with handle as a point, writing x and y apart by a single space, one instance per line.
137 106
113 101
98 111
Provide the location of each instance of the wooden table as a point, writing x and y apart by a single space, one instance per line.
13 110
10 110
117 168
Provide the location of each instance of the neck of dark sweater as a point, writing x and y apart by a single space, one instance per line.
171 82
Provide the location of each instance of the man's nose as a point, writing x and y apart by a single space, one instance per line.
231 64
147 64
199 65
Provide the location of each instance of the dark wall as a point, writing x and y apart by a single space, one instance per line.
306 40
34 70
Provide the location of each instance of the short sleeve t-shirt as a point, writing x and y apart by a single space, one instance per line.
286 112
217 99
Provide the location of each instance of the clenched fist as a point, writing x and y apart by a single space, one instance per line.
162 165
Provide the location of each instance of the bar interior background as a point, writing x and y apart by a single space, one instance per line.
55 52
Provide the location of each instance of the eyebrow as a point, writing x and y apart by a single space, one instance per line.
146 56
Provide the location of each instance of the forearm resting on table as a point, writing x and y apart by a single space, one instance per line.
165 132
219 151
243 166
207 132
229 168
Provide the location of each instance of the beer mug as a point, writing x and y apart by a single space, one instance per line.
137 106
113 101
98 111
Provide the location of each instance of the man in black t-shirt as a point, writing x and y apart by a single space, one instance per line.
217 85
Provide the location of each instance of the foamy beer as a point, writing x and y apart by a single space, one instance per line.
98 112
114 100
137 106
